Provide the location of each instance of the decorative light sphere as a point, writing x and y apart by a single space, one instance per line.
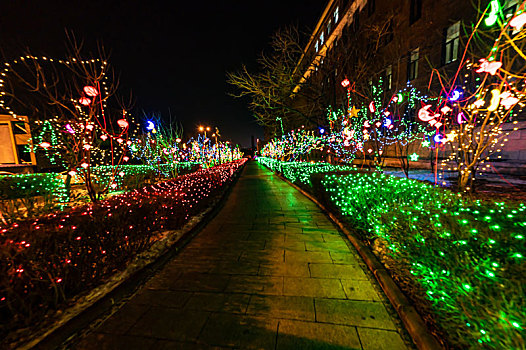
91 91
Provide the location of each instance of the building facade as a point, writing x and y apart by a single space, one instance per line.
397 42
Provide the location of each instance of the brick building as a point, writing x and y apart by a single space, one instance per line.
399 41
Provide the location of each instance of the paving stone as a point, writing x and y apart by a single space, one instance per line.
360 290
299 308
268 285
174 324
200 282
270 256
219 302
303 237
163 298
345 257
313 287
310 257
351 272
240 332
123 319
331 246
378 339
241 267
289 269
316 336
103 341
353 313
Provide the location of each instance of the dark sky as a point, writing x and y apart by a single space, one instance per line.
173 55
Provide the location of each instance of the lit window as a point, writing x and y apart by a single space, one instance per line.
336 14
389 77
316 46
451 45
322 38
412 69
329 25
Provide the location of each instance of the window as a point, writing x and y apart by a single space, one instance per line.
329 27
412 67
322 38
19 128
451 44
23 153
336 14
371 6
387 37
415 11
389 77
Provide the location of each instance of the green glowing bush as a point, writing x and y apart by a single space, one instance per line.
300 172
464 259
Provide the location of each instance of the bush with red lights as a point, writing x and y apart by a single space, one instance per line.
47 261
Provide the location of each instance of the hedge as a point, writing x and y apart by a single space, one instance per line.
45 262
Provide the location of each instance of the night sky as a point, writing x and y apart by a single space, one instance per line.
172 55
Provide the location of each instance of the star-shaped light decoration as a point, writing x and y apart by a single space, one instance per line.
426 143
354 112
414 157
451 136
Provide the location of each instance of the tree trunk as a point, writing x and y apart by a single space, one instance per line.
465 180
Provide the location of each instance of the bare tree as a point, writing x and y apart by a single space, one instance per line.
270 90
76 95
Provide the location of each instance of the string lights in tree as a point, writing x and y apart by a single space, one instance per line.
67 101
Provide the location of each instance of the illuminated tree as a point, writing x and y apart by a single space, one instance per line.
158 145
78 122
487 91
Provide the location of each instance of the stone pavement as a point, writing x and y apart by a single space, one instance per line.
270 271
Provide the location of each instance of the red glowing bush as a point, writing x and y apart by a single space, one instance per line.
45 262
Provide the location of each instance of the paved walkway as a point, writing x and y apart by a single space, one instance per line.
269 272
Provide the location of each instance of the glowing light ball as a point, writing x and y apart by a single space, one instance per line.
45 145
84 101
84 165
345 83
122 123
91 91
104 137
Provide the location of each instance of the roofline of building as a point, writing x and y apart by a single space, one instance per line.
346 18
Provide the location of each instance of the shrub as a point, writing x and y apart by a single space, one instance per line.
464 259
461 261
46 261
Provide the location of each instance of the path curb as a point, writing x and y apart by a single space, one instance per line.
412 321
63 334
